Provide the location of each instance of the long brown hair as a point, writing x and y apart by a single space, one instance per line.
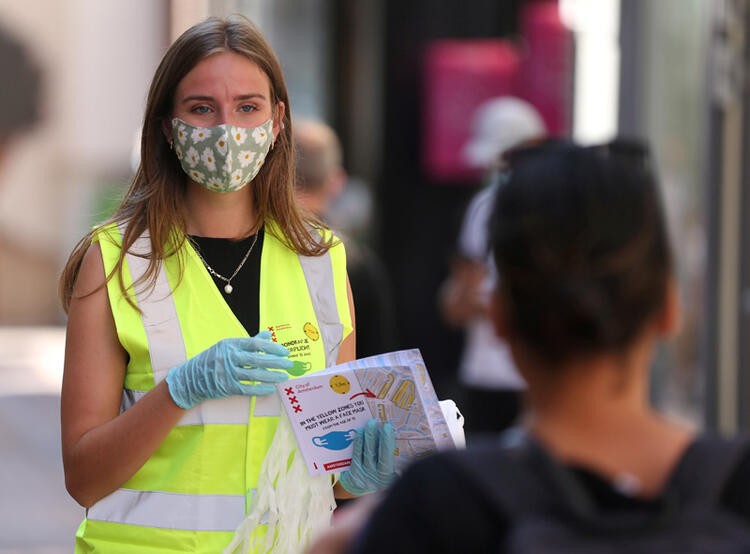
155 199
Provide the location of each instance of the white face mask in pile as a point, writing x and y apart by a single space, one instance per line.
290 507
223 158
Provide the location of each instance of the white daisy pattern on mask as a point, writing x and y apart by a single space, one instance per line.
200 134
238 179
221 145
180 132
222 158
228 164
197 176
246 157
192 157
258 164
215 183
239 135
260 135
209 159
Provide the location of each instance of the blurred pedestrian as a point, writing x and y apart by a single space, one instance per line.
179 308
20 102
489 385
320 180
587 291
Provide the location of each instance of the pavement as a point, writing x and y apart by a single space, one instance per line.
36 514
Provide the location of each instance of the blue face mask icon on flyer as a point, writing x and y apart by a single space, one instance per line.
335 440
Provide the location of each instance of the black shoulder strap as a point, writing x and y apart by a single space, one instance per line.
705 468
520 477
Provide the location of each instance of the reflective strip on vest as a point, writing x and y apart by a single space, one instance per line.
158 312
318 272
207 512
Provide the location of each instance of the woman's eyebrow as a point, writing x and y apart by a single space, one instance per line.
250 96
206 98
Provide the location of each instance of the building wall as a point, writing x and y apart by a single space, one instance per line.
98 58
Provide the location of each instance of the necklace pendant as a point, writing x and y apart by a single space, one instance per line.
228 288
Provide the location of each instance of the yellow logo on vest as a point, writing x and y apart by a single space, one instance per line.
304 343
311 332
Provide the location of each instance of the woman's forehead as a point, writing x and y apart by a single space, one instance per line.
224 73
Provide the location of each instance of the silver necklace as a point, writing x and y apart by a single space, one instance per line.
228 288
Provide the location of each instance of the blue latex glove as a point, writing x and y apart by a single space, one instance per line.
218 371
373 459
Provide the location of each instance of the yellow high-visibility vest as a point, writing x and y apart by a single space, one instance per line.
193 491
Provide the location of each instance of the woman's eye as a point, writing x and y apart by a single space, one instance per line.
201 109
247 108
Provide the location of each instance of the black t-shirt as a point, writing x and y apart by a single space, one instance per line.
432 508
224 255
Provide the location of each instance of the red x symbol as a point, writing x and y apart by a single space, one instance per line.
293 399
297 409
289 390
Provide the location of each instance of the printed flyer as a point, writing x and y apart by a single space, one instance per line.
326 408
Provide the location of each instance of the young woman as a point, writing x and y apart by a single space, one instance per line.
168 404
587 291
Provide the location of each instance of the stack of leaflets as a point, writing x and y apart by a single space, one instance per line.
326 408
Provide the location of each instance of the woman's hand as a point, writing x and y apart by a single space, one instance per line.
223 370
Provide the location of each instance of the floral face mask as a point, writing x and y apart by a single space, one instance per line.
223 158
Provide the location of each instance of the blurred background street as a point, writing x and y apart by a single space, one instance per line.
36 514
398 81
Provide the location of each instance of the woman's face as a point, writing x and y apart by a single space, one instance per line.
226 88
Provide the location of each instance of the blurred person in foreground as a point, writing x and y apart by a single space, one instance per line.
489 385
320 180
587 292
179 308
19 93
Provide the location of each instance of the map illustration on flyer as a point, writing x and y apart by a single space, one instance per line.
326 408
